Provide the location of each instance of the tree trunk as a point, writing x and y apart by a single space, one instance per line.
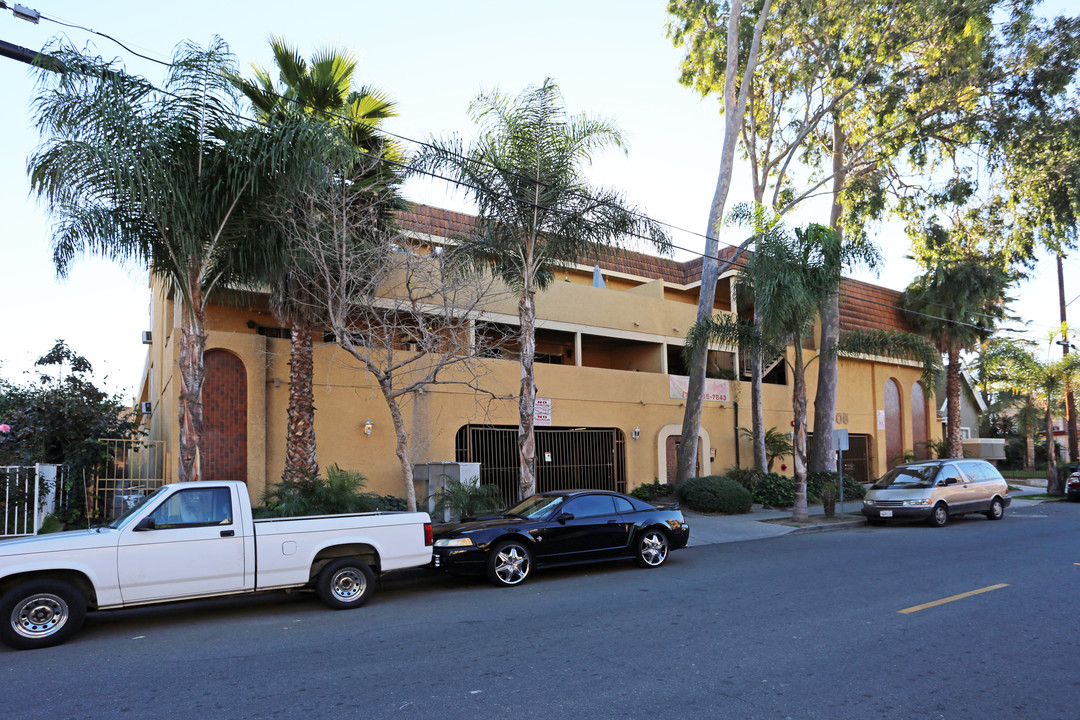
798 406
757 413
734 112
300 459
952 394
527 396
822 457
1030 442
1053 484
401 448
192 378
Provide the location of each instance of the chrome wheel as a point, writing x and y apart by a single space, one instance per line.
348 584
40 616
510 564
652 549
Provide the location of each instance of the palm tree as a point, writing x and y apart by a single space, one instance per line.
159 178
957 304
321 90
1012 366
790 274
535 211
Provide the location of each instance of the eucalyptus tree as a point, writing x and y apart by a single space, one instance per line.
322 90
727 35
159 178
536 212
847 87
790 274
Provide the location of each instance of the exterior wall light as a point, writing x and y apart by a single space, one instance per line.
636 434
368 426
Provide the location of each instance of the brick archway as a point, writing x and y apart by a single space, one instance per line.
224 448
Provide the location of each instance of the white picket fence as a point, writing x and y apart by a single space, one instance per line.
27 495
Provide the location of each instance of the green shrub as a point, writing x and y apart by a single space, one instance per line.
653 490
715 494
466 499
748 477
853 489
775 491
341 491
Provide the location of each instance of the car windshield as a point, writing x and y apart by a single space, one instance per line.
915 477
135 507
536 507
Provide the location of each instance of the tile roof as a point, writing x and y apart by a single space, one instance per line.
862 305
869 307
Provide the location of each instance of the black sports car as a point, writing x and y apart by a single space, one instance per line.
560 528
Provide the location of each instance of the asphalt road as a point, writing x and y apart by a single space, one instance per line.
801 626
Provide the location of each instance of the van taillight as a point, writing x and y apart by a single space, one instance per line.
428 541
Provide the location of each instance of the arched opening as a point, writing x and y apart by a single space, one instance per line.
894 424
920 424
224 446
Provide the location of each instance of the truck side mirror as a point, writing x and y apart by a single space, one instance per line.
147 523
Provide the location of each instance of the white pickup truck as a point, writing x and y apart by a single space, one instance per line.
196 540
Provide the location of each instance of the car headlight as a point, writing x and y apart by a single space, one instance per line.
454 542
923 501
869 501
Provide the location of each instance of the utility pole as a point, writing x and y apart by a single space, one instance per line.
1070 399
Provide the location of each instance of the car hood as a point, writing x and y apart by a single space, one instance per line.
58 542
482 524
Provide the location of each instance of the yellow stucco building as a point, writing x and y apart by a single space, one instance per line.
608 374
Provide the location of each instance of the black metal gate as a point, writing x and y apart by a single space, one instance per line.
566 458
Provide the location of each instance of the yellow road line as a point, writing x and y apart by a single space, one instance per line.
961 596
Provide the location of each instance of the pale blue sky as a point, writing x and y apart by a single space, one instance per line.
610 57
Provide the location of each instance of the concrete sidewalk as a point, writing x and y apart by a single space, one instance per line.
713 529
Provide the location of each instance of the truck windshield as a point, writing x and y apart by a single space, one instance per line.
913 477
120 520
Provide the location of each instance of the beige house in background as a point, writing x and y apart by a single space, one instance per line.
609 376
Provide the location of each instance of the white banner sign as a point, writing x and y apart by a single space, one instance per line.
715 390
542 412
880 419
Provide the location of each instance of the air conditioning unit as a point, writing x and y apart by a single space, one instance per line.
146 407
147 337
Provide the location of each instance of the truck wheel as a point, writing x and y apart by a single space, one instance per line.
345 583
40 613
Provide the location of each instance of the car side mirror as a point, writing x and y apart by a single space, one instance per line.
951 481
146 523
563 517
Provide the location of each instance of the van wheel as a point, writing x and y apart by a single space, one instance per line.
997 509
40 613
345 583
939 516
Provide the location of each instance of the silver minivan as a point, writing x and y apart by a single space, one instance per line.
935 490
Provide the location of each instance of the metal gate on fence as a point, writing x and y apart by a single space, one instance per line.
134 468
566 458
29 493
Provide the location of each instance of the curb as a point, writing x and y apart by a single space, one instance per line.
829 528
